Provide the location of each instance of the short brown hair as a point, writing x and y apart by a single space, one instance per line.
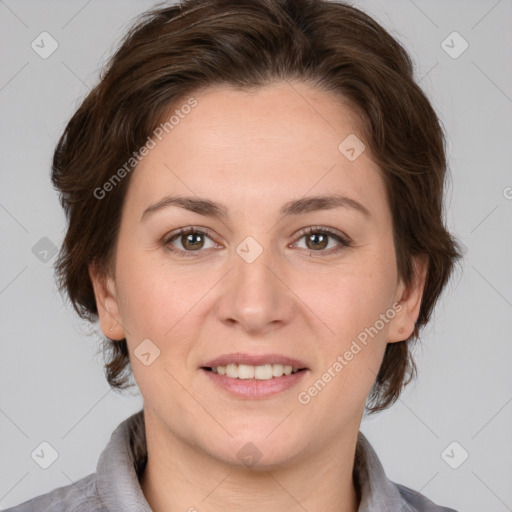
172 52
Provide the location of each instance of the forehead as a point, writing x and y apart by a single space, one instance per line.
277 141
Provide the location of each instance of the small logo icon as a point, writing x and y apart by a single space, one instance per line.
249 250
351 147
249 454
454 45
44 455
146 352
44 250
454 455
44 45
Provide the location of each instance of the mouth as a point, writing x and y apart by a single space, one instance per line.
254 376
251 372
249 382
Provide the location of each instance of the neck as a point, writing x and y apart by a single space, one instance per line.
179 477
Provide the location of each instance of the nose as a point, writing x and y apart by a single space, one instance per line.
255 295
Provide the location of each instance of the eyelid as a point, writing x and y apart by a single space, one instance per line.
325 229
342 239
188 230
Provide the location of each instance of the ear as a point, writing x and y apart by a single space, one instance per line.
408 302
107 303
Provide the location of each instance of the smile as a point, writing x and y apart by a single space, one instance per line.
262 385
247 371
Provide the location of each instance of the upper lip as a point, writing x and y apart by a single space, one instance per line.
254 360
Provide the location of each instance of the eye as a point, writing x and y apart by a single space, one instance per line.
317 239
191 240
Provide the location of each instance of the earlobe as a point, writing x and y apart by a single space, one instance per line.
106 303
409 303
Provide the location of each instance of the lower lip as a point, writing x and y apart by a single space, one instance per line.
253 388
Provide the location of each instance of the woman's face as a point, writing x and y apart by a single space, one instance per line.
253 282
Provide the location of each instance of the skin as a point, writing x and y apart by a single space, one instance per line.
253 152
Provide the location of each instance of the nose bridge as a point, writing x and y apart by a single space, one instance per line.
253 296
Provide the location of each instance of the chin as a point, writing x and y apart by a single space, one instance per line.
259 449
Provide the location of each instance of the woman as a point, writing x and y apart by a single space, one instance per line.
254 195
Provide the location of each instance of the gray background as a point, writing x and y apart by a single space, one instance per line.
51 377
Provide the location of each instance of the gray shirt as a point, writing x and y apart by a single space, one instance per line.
115 486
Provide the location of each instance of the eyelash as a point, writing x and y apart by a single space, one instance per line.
343 240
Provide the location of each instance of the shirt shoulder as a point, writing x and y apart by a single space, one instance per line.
378 492
81 496
418 502
115 485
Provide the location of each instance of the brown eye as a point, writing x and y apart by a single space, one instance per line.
192 241
188 240
317 239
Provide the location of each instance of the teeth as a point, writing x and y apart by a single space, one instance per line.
261 372
231 370
247 371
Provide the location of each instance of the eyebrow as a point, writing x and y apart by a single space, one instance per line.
209 208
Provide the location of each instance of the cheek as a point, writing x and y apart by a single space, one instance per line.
349 359
154 297
166 306
357 305
352 298
157 305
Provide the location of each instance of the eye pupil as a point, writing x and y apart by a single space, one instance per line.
190 238
315 237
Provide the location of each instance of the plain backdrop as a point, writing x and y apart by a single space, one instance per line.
52 383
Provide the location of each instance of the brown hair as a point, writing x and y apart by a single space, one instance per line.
175 51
